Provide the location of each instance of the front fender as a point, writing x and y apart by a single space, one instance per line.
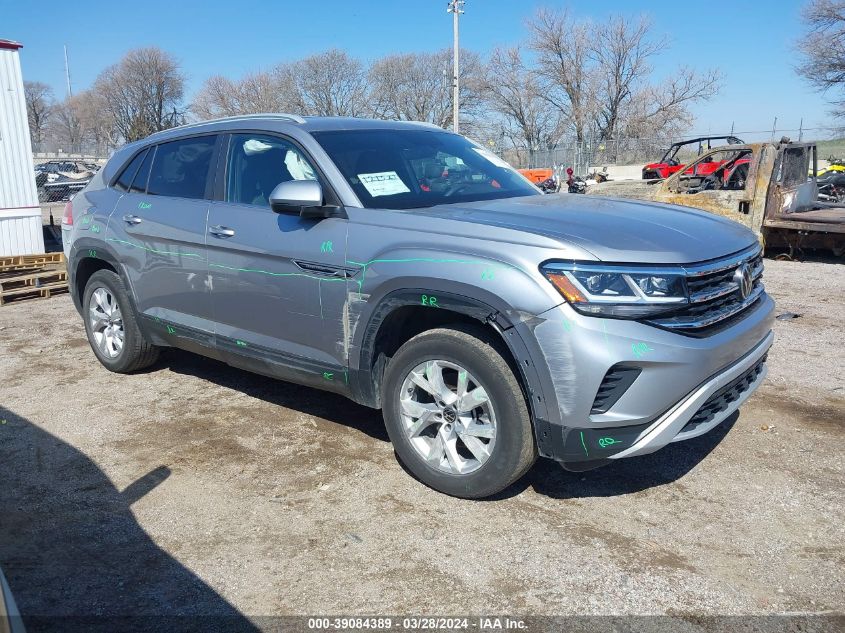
506 296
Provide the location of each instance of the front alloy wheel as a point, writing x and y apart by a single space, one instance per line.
456 412
448 417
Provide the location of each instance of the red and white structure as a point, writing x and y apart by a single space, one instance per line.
20 215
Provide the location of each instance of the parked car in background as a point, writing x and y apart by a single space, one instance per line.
413 271
670 164
60 179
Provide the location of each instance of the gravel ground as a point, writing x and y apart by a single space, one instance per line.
195 488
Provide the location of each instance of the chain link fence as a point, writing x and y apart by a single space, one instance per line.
582 155
588 154
59 177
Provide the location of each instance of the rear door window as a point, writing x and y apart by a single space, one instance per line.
181 168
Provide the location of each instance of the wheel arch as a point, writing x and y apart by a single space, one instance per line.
87 256
401 314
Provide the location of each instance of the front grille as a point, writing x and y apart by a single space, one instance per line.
714 294
722 398
616 382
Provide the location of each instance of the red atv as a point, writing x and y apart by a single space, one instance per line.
669 164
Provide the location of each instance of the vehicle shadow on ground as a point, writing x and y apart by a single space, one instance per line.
322 404
74 555
546 477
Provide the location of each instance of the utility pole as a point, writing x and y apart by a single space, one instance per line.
67 74
456 8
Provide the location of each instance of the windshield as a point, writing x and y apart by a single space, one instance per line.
406 169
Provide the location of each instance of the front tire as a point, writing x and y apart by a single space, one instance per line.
456 413
111 326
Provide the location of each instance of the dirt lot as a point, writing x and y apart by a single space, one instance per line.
198 488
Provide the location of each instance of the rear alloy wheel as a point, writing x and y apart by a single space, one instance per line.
456 413
111 326
106 322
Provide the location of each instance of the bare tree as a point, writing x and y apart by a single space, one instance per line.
39 106
99 133
661 110
142 93
66 126
621 50
531 122
599 76
417 86
329 84
256 92
565 69
823 50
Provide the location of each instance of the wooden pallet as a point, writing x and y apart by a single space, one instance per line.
32 292
30 280
30 262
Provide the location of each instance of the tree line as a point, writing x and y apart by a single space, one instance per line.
570 78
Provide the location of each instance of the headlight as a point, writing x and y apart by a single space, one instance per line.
626 292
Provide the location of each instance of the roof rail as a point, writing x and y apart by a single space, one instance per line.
294 118
427 124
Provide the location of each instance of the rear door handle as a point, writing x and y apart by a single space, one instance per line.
132 219
221 231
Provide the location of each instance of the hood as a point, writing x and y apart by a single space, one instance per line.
612 229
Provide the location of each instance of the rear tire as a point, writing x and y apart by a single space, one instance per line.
456 413
111 325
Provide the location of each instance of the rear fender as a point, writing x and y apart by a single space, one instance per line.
89 248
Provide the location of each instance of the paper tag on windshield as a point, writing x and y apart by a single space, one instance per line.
383 183
498 162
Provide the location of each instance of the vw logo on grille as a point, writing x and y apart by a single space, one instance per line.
743 280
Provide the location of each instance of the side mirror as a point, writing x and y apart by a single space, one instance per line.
304 197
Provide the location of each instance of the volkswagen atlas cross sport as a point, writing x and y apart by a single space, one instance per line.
414 271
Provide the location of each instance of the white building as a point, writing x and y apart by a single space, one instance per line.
20 215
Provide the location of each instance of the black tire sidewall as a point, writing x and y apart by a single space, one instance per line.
109 280
503 465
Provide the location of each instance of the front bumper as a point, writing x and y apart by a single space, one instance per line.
685 385
702 410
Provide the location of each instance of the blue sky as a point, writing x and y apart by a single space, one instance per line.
752 42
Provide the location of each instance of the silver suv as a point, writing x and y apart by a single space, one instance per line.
414 271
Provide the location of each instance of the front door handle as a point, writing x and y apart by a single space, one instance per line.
132 219
221 231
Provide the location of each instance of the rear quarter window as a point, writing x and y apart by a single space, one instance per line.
129 172
181 168
139 182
